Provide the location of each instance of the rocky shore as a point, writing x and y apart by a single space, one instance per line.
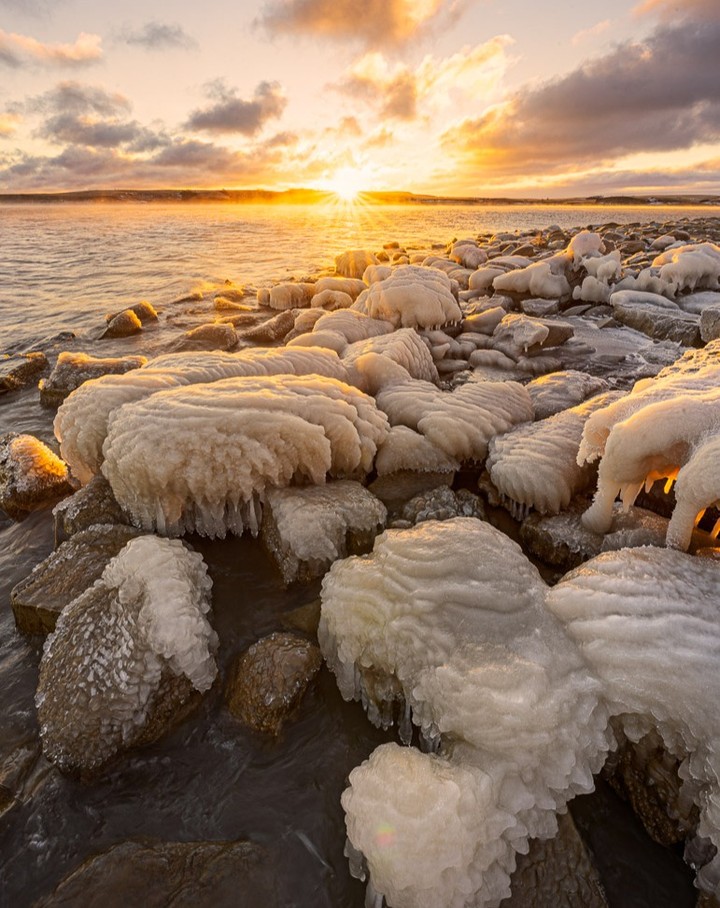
501 454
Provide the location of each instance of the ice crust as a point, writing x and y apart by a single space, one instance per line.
387 359
240 437
114 647
81 422
413 296
460 423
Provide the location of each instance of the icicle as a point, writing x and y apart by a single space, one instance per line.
715 532
405 725
668 484
699 517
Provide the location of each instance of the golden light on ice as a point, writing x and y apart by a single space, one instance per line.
346 183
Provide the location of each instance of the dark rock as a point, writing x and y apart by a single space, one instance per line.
395 489
124 324
442 504
171 875
305 618
19 369
38 600
144 311
31 475
93 504
72 369
661 324
710 324
268 681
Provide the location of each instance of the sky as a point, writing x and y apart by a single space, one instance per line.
448 97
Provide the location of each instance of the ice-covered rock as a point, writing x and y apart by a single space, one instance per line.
306 529
462 422
353 287
468 254
691 267
388 359
560 390
126 655
412 297
535 465
240 437
72 369
31 475
328 340
268 681
212 336
91 505
352 264
404 449
546 278
291 296
331 300
353 325
124 324
81 422
585 244
440 503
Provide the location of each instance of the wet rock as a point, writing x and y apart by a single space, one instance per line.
540 307
177 874
72 369
213 336
268 681
93 504
305 618
124 324
659 323
38 600
440 504
31 475
557 873
144 311
23 770
19 369
394 489
710 324
273 330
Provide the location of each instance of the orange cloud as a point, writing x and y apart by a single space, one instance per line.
8 124
21 50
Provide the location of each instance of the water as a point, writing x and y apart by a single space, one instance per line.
61 268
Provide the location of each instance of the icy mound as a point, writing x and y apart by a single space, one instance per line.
31 475
447 622
659 430
239 438
545 279
460 423
405 449
558 391
412 297
535 465
691 267
126 654
373 363
647 621
307 529
81 422
354 326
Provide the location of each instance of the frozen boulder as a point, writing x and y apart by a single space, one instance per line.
91 505
124 324
388 359
306 529
352 287
692 267
353 325
331 300
31 475
291 296
352 264
561 390
268 681
546 279
212 336
126 655
72 369
412 297
405 449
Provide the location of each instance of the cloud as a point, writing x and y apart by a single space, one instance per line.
592 32
230 114
21 50
398 91
672 10
376 23
9 123
159 35
660 94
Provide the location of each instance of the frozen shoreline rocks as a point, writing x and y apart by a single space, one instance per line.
126 655
31 475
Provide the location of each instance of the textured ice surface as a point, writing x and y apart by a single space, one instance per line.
81 422
691 267
386 359
648 624
560 390
307 529
31 475
545 278
535 465
447 622
460 423
202 457
353 325
122 649
412 297
73 368
405 449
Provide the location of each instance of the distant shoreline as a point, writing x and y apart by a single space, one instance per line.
312 196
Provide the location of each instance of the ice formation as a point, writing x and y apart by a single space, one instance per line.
370 363
535 465
665 428
405 449
134 643
81 422
31 475
560 390
353 325
444 624
307 529
412 297
200 458
329 340
353 287
545 278
691 267
290 296
460 423
647 622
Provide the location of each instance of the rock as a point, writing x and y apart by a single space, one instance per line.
72 369
540 307
273 330
291 295
442 504
177 874
19 369
124 324
225 304
306 529
305 618
213 336
710 324
267 682
394 489
354 262
144 311
557 873
31 475
93 504
660 323
561 390
38 600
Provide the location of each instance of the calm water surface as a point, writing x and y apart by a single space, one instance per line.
61 268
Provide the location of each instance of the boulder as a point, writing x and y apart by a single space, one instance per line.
91 505
72 369
19 369
31 475
124 324
213 336
268 680
144 311
354 262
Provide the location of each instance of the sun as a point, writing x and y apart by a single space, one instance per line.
347 183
